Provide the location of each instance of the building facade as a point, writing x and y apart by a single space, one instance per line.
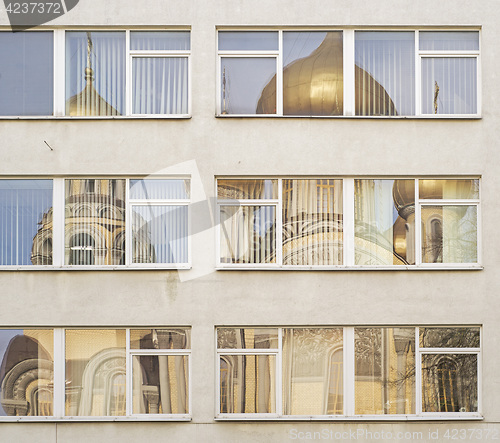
251 222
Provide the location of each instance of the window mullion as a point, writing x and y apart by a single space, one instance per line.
58 227
59 72
279 374
59 376
418 373
418 77
418 226
279 225
349 72
349 372
279 75
348 221
128 376
128 227
128 75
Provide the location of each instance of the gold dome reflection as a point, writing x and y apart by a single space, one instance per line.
313 85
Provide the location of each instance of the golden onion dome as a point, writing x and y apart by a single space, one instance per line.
403 191
313 85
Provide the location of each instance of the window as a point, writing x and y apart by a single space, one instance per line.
103 222
26 80
363 72
106 73
101 373
339 372
326 222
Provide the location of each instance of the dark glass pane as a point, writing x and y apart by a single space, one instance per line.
248 41
26 73
248 338
160 338
449 337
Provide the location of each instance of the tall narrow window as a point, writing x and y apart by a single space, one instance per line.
26 73
94 221
95 73
25 222
385 73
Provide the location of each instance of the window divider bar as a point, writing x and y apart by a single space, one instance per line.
349 72
348 221
418 76
279 374
59 375
128 372
58 226
59 72
128 227
128 75
418 373
279 75
418 226
349 371
279 224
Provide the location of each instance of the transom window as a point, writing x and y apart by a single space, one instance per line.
102 222
98 74
73 373
340 372
332 222
334 73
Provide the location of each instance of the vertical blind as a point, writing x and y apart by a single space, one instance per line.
24 216
385 73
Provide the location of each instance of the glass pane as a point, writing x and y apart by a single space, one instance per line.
313 371
160 40
449 234
449 337
450 188
449 383
160 338
26 372
249 189
159 189
312 74
247 83
160 384
25 222
159 234
449 41
27 80
160 85
95 372
247 384
449 85
312 222
247 338
248 234
384 370
95 73
384 222
385 73
248 41
95 222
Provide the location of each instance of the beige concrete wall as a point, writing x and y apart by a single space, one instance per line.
262 146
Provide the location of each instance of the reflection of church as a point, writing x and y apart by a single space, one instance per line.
94 226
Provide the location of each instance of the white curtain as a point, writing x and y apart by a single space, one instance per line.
95 73
160 85
385 73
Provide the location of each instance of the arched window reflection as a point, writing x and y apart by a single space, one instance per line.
82 247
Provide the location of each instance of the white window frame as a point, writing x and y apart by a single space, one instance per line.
59 72
348 225
419 354
349 69
59 397
58 226
348 379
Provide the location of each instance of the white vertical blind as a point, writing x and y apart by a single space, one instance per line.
25 216
385 73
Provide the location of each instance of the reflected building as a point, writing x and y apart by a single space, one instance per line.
94 227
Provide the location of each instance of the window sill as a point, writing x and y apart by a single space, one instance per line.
104 117
357 418
357 117
134 418
437 267
161 267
